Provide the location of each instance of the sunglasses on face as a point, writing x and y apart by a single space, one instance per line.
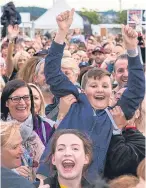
16 99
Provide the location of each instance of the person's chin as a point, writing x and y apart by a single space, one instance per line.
22 118
17 164
69 176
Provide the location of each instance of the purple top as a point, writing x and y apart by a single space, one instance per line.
43 129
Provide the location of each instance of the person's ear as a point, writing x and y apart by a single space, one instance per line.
34 78
82 91
53 160
7 104
76 77
113 74
137 114
86 159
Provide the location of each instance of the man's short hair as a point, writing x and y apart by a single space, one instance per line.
93 73
121 57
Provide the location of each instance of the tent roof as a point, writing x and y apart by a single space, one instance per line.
48 19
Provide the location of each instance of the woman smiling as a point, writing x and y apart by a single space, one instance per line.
17 104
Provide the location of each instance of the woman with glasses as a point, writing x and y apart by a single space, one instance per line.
17 104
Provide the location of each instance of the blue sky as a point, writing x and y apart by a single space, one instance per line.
100 5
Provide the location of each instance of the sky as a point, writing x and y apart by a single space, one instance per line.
100 5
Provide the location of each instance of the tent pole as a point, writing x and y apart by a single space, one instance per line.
53 2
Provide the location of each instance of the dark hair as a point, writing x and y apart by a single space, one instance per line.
10 87
10 16
87 144
105 44
93 73
48 35
4 45
82 46
119 45
121 57
119 38
30 49
82 72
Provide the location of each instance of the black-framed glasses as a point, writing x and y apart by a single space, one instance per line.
16 99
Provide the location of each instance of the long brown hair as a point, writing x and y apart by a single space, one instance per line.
87 144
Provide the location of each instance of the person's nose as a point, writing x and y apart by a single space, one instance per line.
125 73
21 150
99 89
97 55
68 151
21 101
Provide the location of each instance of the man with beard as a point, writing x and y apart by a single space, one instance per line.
99 56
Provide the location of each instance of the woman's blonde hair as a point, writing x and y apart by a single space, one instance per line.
18 56
42 108
66 54
27 72
7 131
70 63
81 53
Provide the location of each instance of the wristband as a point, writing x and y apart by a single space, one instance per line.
117 132
132 53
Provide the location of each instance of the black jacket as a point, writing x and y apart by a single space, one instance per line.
125 153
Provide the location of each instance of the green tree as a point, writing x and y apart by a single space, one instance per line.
92 16
122 17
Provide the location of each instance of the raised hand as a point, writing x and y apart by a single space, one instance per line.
65 19
129 37
23 171
13 31
65 104
119 117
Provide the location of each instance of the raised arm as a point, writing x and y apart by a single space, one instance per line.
134 94
13 32
59 83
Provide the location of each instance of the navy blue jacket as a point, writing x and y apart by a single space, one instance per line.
80 116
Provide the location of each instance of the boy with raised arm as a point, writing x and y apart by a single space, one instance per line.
91 112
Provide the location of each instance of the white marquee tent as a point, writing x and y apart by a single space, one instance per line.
48 19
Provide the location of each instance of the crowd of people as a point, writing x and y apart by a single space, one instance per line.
72 109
